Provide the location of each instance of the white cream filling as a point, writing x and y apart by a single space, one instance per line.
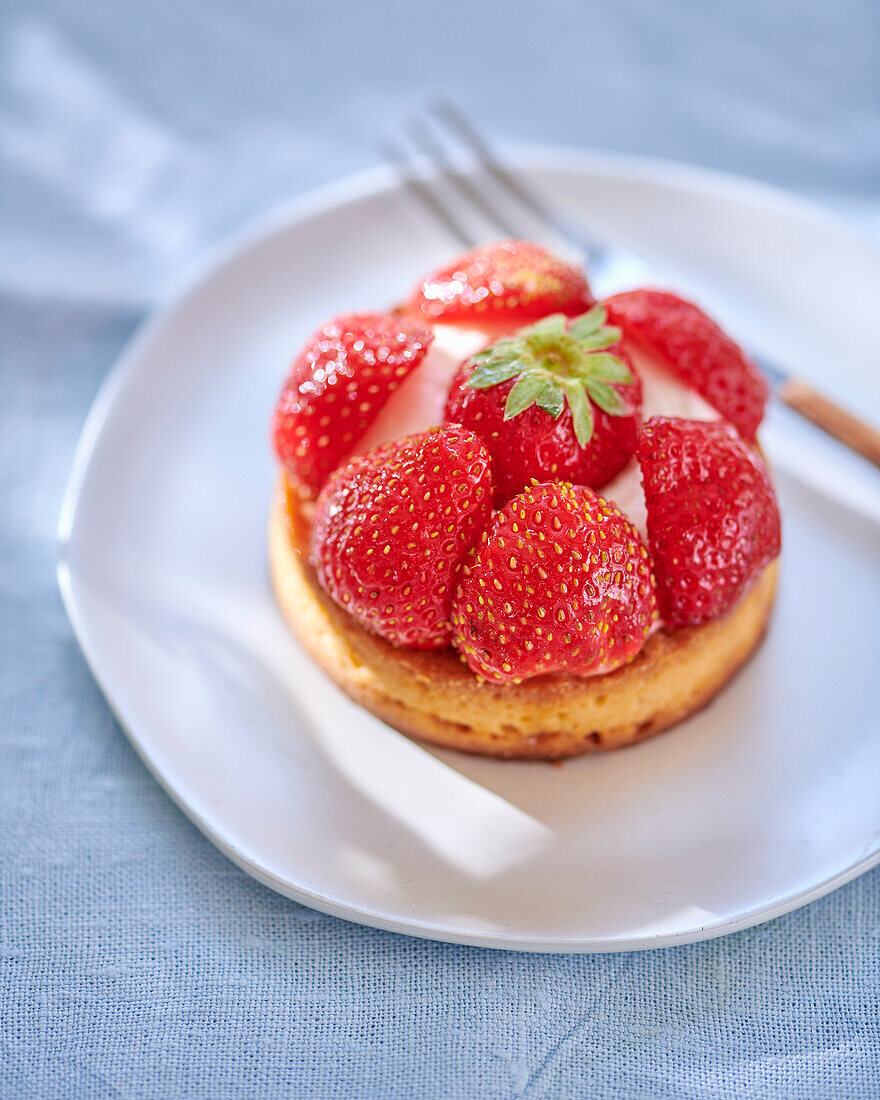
662 395
420 401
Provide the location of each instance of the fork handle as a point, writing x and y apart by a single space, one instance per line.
831 418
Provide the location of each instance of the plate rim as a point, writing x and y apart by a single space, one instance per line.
211 262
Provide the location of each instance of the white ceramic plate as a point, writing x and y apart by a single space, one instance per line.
765 800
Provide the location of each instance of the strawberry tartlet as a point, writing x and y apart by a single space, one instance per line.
516 521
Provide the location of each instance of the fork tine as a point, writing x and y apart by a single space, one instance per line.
455 121
427 142
395 155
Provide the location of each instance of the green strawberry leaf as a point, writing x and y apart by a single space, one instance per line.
604 367
554 325
551 399
524 394
608 399
504 349
493 373
604 338
588 323
556 361
581 413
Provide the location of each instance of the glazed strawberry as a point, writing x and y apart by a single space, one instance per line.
560 582
392 527
556 401
696 350
713 521
336 387
510 281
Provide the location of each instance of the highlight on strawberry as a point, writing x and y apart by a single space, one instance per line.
556 400
336 387
509 281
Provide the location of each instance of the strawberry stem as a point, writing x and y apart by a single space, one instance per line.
556 362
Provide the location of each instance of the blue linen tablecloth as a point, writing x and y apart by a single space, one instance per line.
135 960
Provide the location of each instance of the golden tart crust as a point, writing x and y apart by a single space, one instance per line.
431 695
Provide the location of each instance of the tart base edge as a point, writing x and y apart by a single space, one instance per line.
431 695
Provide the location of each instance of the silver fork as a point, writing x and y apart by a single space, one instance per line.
429 163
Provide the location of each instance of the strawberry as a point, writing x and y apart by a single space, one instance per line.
713 521
510 280
559 583
556 401
694 348
336 387
392 527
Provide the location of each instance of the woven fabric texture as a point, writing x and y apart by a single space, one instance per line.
135 960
